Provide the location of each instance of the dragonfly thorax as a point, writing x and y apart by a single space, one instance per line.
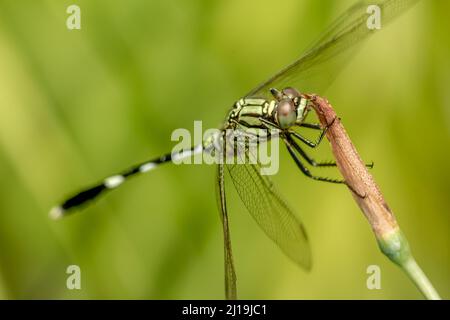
288 108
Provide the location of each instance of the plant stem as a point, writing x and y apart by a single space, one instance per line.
369 198
420 279
396 248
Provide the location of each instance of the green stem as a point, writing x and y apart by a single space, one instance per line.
419 278
396 248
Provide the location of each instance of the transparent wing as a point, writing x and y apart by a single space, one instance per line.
230 274
314 71
269 210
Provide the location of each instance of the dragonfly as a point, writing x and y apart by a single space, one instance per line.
278 107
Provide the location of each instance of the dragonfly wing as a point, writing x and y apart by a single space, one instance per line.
270 211
230 274
316 69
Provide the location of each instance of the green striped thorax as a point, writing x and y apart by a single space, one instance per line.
288 108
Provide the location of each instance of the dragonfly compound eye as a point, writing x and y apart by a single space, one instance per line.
286 113
291 93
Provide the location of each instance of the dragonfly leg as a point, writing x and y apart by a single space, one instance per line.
309 175
308 159
269 124
306 141
315 144
312 126
315 126
304 169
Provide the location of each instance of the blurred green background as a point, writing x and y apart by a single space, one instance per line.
76 106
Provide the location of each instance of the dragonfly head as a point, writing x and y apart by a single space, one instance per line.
291 107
